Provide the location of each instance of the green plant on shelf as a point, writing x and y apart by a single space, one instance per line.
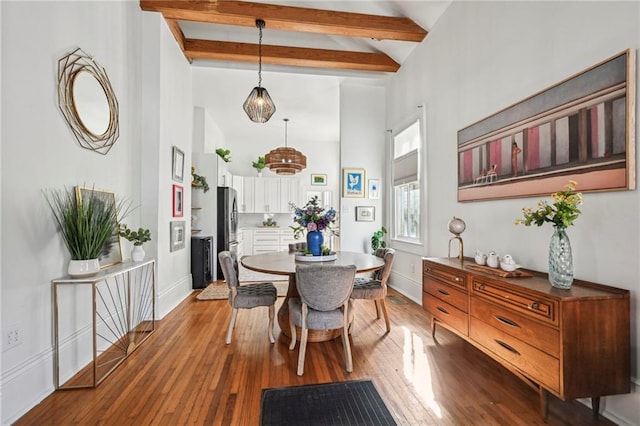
224 154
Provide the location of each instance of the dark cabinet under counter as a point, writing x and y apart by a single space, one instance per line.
201 260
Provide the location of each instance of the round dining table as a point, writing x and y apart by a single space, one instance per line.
284 263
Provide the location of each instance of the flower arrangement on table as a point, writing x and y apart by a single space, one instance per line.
313 219
563 212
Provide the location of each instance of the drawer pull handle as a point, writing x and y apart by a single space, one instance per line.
441 291
507 321
456 279
535 305
428 269
443 310
507 347
480 286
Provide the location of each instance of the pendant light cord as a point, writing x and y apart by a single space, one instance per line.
286 123
260 25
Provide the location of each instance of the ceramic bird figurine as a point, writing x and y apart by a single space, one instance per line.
507 263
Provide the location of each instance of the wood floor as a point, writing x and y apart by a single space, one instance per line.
185 374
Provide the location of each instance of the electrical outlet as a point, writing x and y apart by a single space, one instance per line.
13 337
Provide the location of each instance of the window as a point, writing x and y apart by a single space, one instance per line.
406 183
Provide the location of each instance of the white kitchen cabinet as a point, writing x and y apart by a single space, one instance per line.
248 195
290 192
237 183
267 195
247 242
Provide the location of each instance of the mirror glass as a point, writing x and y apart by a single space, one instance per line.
91 103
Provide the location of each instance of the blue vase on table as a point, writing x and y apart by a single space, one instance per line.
314 242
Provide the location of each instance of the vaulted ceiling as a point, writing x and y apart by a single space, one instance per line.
295 34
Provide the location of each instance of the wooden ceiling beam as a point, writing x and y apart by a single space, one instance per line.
288 18
291 56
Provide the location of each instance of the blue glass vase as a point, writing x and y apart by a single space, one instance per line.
314 242
560 259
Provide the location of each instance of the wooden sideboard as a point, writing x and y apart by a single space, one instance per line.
570 343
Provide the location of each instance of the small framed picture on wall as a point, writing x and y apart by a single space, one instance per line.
374 189
365 213
353 183
178 201
177 235
317 179
177 164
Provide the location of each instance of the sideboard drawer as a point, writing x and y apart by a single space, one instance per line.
541 336
529 305
447 293
534 363
448 275
446 313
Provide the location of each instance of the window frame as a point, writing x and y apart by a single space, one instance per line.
409 244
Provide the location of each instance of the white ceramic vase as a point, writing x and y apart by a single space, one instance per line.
83 268
137 254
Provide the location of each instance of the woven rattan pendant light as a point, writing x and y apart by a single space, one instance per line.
259 106
284 160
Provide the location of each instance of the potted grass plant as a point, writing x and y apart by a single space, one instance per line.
85 225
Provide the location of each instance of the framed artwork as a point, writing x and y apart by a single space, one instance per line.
177 235
374 189
178 201
317 179
177 164
353 183
580 129
112 251
365 214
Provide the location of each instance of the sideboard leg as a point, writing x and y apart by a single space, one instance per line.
433 327
595 406
544 403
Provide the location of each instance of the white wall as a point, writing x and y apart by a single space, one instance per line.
38 151
481 57
362 137
168 121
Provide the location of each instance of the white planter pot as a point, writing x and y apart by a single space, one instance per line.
137 254
83 268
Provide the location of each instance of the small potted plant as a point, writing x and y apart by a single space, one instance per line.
138 238
377 239
198 181
259 165
85 225
224 154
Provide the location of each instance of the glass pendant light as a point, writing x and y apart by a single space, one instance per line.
259 106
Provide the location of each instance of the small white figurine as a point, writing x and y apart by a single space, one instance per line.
481 258
507 263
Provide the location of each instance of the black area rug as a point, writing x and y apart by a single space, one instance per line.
351 403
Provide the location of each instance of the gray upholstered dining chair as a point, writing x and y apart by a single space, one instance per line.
246 296
324 304
375 287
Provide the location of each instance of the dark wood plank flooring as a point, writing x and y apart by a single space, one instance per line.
185 374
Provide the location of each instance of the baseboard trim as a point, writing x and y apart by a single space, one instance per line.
407 286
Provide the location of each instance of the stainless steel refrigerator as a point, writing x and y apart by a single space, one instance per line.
227 225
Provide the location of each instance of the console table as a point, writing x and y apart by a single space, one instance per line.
570 343
112 312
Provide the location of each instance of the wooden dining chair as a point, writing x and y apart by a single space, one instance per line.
246 296
375 287
324 304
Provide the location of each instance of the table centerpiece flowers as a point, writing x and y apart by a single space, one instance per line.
562 213
313 219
